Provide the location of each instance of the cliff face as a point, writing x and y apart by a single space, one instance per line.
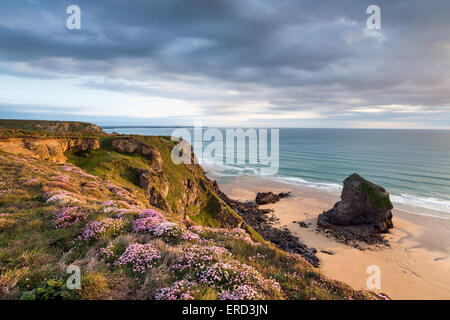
50 149
180 189
152 180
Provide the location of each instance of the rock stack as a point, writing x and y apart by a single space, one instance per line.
365 211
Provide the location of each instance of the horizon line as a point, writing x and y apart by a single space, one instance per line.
261 127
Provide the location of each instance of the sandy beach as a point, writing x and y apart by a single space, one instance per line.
416 266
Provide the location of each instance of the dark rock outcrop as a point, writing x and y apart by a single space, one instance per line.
302 224
365 211
156 186
270 197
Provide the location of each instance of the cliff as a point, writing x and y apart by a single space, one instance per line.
54 127
51 149
137 226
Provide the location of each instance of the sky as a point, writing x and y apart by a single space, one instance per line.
234 63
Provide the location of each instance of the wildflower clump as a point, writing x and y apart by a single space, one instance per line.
112 252
199 257
148 220
169 232
119 207
241 292
119 191
107 226
61 199
140 257
68 167
213 266
107 252
232 274
69 216
180 290
188 235
236 233
155 223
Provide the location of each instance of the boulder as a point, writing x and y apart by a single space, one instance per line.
365 209
283 195
270 197
302 224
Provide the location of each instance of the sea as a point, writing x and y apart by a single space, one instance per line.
413 165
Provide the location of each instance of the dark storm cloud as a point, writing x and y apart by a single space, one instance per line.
297 55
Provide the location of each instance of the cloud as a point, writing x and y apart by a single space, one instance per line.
287 60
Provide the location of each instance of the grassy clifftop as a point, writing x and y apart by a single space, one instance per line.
139 227
16 128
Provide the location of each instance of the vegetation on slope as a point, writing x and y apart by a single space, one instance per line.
123 169
126 255
93 213
379 199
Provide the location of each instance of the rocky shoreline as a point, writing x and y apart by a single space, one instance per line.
259 220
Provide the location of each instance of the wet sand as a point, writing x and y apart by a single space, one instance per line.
416 266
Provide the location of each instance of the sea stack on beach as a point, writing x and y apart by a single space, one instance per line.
365 210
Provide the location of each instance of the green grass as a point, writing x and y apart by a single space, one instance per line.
208 214
113 166
379 200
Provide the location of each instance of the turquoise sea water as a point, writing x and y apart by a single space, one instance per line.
413 165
